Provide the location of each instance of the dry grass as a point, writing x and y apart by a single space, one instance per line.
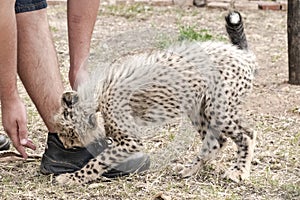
273 109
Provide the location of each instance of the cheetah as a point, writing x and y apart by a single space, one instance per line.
205 81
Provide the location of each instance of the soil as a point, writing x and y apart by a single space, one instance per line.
273 109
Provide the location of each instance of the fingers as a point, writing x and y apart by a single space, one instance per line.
14 122
19 139
22 130
23 136
28 143
21 144
22 151
16 143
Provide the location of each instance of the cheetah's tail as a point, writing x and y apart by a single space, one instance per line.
235 30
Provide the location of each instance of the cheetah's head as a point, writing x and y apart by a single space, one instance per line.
77 122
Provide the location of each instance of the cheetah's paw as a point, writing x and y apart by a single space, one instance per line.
65 179
188 172
177 167
237 175
183 171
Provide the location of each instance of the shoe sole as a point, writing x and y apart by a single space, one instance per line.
136 163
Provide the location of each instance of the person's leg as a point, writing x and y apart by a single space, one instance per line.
8 46
38 65
39 72
82 15
14 118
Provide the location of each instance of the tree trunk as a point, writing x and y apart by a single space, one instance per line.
293 29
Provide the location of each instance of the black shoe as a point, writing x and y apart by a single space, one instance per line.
58 160
4 143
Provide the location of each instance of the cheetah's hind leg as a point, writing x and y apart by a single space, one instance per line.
213 142
241 169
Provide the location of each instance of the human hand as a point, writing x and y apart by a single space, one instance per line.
14 121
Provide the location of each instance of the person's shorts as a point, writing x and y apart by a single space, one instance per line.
29 5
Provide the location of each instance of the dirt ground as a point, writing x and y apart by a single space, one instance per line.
273 109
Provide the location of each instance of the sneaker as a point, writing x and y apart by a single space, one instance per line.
58 160
4 143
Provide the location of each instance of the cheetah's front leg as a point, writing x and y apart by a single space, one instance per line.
90 172
93 170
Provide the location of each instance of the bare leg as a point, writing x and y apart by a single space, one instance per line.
81 20
14 118
38 65
8 54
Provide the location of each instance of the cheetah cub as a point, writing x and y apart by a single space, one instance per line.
204 81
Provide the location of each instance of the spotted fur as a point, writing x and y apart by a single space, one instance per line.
204 81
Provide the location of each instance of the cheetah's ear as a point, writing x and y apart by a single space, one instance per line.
92 121
69 99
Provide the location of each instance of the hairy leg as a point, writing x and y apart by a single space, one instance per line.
38 65
81 20
13 111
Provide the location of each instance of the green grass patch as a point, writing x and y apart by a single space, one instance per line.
190 33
